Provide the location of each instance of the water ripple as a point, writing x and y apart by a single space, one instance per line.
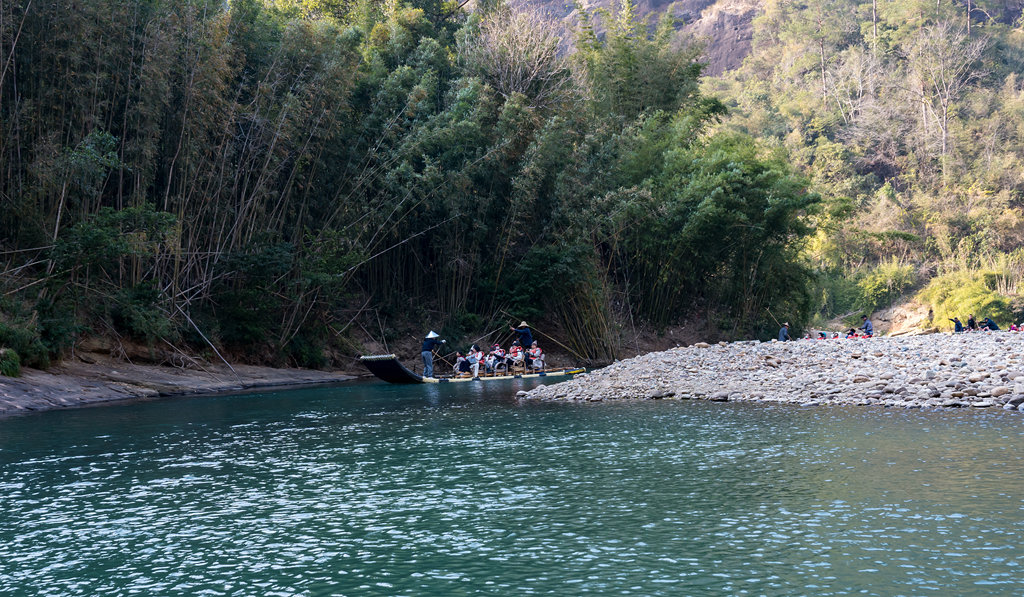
349 492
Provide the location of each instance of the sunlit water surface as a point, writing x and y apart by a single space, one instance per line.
372 489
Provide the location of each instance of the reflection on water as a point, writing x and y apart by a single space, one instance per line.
373 489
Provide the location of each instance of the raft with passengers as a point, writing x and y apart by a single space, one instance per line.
524 359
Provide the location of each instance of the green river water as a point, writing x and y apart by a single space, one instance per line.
458 489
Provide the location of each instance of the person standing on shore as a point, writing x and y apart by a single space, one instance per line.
869 330
430 344
957 326
784 333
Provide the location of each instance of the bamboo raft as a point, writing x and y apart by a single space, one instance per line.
391 370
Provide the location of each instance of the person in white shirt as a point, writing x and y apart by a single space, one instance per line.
476 357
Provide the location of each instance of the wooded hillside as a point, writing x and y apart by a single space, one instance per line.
908 118
278 179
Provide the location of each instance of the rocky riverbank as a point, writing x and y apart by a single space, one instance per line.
76 383
979 370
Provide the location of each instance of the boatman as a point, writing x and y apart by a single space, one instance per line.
525 337
430 343
784 332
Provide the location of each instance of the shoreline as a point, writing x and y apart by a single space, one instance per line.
974 370
74 384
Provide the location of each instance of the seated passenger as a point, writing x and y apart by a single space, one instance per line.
499 357
461 364
476 357
516 357
536 356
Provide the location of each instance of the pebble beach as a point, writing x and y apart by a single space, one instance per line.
972 370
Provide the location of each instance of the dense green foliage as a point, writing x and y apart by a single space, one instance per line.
10 363
907 117
263 175
962 294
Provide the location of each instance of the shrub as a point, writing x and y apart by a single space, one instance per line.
10 363
306 351
22 335
836 294
137 312
963 293
884 284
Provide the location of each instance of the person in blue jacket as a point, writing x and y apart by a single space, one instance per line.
958 327
869 330
430 343
784 332
987 322
525 337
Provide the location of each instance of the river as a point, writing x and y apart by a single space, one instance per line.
457 489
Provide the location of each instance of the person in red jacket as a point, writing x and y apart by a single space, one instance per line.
536 356
498 353
515 355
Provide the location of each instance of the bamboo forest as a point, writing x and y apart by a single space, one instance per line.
279 180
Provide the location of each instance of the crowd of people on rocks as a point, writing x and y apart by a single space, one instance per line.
973 325
524 354
867 330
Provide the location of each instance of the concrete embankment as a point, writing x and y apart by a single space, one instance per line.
967 370
76 383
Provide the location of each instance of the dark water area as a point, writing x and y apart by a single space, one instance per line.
458 489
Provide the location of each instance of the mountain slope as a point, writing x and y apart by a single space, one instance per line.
725 26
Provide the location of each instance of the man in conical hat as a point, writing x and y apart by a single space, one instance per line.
430 343
784 332
525 336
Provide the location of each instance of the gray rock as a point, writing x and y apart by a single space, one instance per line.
659 394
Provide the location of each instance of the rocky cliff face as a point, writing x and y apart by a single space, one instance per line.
723 25
727 29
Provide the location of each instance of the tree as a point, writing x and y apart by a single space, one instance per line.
630 71
517 52
943 63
